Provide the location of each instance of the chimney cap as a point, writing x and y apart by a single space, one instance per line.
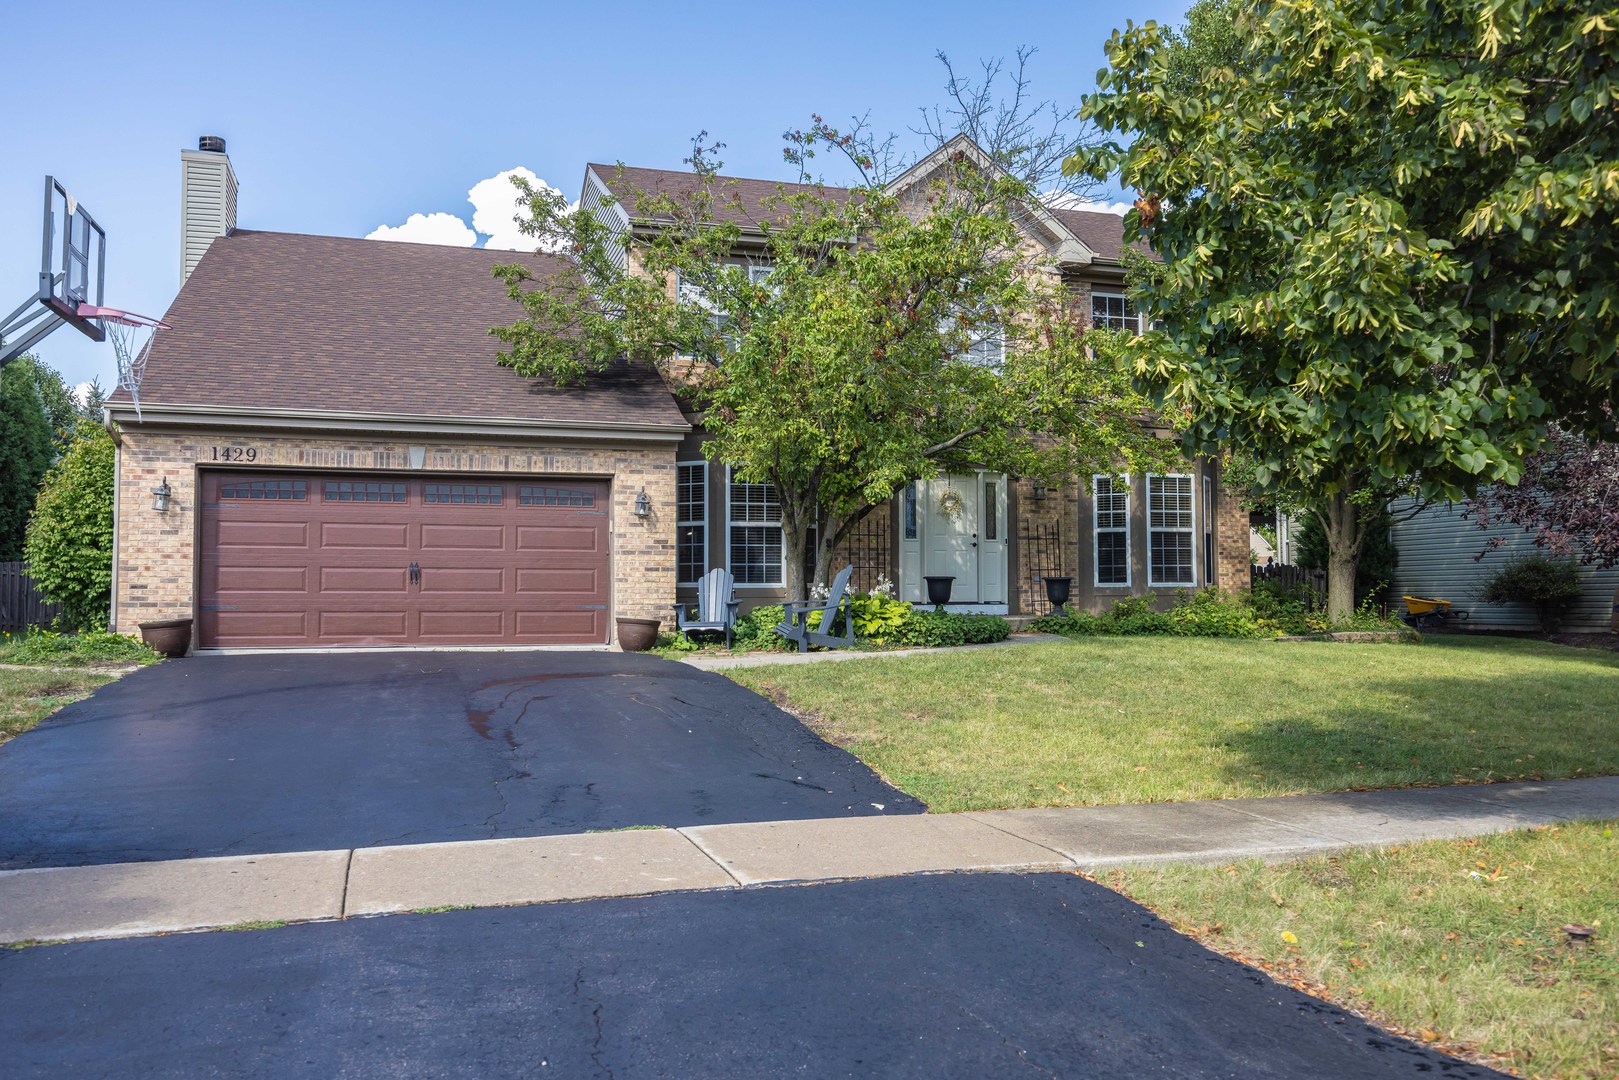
214 144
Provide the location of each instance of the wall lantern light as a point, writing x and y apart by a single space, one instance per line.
160 497
643 504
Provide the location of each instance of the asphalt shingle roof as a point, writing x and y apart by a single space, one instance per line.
275 320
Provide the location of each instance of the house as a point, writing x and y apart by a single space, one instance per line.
348 466
1444 554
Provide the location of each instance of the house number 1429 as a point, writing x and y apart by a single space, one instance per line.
235 453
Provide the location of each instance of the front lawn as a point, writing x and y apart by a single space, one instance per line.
1123 720
27 697
1455 942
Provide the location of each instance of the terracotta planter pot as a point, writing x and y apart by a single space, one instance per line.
171 637
637 635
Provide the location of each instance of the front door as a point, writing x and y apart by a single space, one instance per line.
952 531
955 526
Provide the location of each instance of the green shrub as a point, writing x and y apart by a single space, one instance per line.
922 629
69 650
1213 613
1069 624
69 545
877 616
1548 585
757 629
1283 608
1135 615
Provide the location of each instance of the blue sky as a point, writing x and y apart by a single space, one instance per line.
344 117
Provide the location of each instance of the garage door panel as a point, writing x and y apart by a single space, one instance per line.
250 533
462 537
393 536
363 579
560 625
263 579
271 627
560 537
333 569
361 624
583 581
437 579
463 624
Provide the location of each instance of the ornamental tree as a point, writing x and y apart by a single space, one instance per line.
26 450
1388 243
69 545
1568 498
849 342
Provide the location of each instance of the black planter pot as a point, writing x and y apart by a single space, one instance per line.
1058 590
939 587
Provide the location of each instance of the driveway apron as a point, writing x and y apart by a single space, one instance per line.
237 755
1008 975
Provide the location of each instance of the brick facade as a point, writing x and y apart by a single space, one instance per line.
156 552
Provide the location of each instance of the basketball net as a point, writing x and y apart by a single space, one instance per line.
131 337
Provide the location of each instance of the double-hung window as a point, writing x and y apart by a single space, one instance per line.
1111 495
691 521
1113 311
1170 513
753 530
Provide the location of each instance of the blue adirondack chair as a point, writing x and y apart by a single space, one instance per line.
716 606
797 627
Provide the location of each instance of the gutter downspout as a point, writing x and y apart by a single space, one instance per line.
117 490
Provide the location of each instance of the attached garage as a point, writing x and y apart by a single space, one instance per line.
340 559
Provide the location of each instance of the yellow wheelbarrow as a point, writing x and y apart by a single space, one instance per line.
1429 612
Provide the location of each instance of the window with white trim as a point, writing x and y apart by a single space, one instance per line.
1170 520
753 531
691 521
908 511
1111 498
988 349
1114 311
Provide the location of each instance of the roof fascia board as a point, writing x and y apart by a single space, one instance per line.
162 415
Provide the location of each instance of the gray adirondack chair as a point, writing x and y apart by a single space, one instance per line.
797 628
716 605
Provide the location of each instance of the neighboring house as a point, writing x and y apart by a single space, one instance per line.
349 466
1439 557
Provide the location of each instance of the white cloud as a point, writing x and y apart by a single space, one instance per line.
495 207
428 229
81 394
1076 202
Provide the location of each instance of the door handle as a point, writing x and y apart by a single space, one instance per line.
415 573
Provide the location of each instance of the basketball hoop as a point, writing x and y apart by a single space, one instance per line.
131 337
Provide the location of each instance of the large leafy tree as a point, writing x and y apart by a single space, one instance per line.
845 343
26 451
69 543
1388 242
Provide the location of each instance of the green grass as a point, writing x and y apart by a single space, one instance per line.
27 697
254 924
1458 943
1126 720
50 649
439 909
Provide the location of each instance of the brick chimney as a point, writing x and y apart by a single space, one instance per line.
207 200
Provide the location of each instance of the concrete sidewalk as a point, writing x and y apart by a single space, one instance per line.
765 659
130 899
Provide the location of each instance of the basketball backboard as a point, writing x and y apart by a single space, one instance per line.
73 258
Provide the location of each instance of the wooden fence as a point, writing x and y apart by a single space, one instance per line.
21 605
1291 577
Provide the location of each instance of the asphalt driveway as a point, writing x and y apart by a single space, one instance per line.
248 754
942 976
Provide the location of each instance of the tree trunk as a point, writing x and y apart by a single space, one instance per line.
794 539
1341 521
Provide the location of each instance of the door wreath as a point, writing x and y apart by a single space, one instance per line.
949 504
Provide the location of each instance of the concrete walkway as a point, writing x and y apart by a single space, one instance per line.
763 659
131 899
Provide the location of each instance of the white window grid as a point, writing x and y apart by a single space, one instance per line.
1111 525
691 521
1114 311
753 530
1171 520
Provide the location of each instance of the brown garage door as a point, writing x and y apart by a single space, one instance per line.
324 559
